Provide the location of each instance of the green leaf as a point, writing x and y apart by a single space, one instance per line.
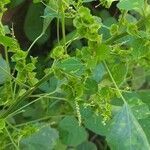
6 41
102 52
60 146
50 12
93 122
50 85
4 70
145 123
126 129
91 86
130 4
144 96
87 25
86 55
98 72
44 139
139 109
34 23
119 72
138 78
86 146
107 21
52 9
138 102
71 65
71 133
139 48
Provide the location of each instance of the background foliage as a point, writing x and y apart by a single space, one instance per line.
74 75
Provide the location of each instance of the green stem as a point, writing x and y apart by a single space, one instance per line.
10 79
35 41
15 105
17 148
20 109
17 81
58 38
63 23
40 119
115 38
114 82
12 126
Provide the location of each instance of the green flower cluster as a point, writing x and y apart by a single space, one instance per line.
87 25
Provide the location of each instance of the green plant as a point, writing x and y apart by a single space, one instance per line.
96 79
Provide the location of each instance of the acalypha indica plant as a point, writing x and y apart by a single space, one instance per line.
91 91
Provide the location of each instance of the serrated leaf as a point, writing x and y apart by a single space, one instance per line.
71 65
71 133
6 41
44 139
126 129
58 52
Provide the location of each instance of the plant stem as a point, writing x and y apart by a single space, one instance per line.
10 81
17 148
58 38
114 82
20 109
61 8
40 119
115 38
17 81
35 41
14 106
